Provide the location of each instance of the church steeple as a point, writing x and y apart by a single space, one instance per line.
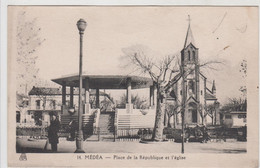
214 88
189 53
189 37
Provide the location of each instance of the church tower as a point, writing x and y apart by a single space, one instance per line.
190 86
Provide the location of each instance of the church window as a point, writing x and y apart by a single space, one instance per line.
189 55
181 92
38 103
191 86
201 92
18 116
193 55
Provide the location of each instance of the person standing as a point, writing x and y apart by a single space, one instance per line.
53 133
73 128
205 134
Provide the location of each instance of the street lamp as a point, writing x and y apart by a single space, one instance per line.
81 24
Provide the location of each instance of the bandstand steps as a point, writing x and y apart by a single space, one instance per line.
135 121
87 121
106 123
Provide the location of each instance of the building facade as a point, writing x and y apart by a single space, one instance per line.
43 102
235 119
191 90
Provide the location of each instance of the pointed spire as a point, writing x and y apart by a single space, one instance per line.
189 37
213 87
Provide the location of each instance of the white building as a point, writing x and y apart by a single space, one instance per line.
43 102
235 119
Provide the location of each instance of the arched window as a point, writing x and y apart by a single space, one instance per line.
193 55
38 104
191 86
189 55
18 116
53 104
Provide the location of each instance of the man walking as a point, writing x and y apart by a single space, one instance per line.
53 133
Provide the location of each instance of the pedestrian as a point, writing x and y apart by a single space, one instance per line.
205 134
53 133
72 128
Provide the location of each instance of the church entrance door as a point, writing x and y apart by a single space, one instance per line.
194 116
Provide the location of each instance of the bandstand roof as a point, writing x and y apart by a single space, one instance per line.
106 81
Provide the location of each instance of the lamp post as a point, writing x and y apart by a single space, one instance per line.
81 24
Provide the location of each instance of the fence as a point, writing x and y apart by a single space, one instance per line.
98 135
38 132
135 133
122 134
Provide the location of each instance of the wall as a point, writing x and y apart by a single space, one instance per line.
135 119
238 122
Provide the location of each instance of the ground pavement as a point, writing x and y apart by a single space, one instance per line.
231 146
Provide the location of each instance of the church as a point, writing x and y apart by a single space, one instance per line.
191 90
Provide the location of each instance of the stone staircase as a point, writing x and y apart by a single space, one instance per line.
135 121
86 119
106 123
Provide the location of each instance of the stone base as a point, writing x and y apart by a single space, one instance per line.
87 108
79 151
64 109
79 142
129 108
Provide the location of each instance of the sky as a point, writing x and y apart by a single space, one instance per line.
229 34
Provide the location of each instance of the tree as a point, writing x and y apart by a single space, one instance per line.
28 41
107 103
203 111
160 72
238 103
138 102
211 111
92 101
235 104
243 89
173 109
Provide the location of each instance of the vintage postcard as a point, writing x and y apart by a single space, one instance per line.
133 86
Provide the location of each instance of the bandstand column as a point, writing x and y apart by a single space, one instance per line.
71 97
63 97
97 98
87 105
129 105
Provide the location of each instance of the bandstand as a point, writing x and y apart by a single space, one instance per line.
116 121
